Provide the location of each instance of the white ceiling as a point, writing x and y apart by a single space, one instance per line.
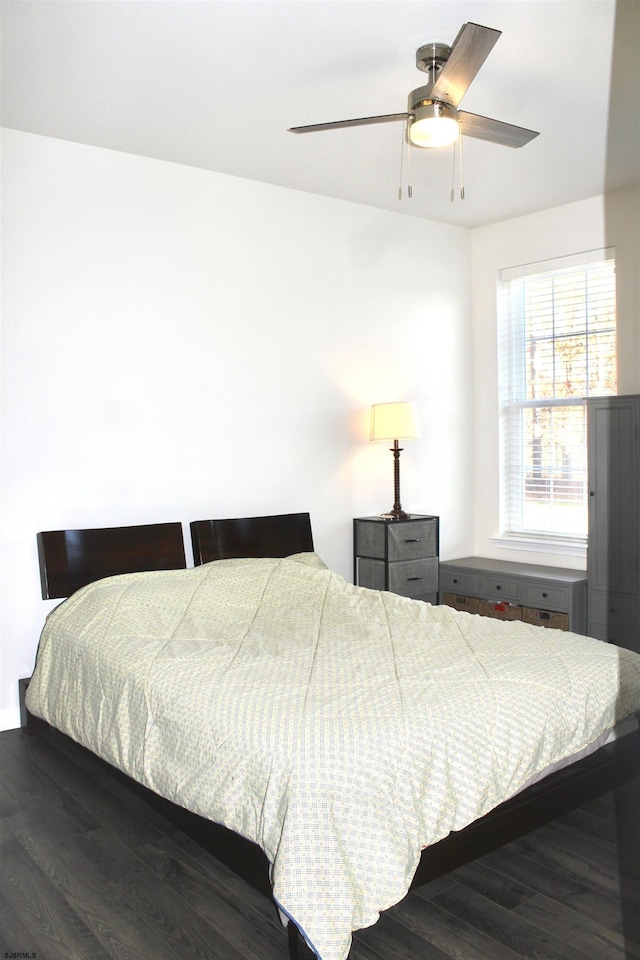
215 85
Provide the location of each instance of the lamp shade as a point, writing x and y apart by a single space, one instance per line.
395 421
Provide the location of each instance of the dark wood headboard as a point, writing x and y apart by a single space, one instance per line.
276 536
69 559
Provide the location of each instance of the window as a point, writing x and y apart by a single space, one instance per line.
558 346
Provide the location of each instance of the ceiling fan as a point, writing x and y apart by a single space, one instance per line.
432 116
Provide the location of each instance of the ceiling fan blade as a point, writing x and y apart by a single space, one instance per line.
470 49
482 128
358 122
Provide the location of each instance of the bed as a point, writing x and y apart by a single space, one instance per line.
281 563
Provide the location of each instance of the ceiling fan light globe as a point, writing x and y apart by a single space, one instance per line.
434 125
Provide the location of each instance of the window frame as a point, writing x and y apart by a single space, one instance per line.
513 402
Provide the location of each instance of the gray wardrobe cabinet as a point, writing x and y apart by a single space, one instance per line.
614 519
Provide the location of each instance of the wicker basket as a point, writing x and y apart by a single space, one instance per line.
499 610
545 618
468 604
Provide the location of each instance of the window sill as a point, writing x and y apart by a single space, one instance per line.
567 546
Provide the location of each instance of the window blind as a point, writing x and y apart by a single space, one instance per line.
558 346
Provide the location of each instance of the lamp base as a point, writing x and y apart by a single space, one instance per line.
395 514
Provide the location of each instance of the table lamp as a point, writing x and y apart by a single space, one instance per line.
395 421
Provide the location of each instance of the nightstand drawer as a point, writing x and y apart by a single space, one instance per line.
460 583
414 578
408 540
499 587
412 540
545 596
371 574
409 578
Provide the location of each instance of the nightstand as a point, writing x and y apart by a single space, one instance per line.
397 555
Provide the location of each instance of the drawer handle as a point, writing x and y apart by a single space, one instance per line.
455 579
414 578
498 587
544 594
413 540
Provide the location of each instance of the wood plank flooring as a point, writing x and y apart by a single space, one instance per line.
88 871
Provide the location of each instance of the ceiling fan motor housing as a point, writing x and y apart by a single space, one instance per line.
421 97
421 106
431 58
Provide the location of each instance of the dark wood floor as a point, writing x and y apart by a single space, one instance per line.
89 871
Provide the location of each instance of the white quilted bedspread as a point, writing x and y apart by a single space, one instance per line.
342 729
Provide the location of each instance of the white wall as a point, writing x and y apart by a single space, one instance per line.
179 344
587 225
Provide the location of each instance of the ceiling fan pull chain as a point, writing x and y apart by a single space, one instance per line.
409 185
461 164
453 175
404 137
